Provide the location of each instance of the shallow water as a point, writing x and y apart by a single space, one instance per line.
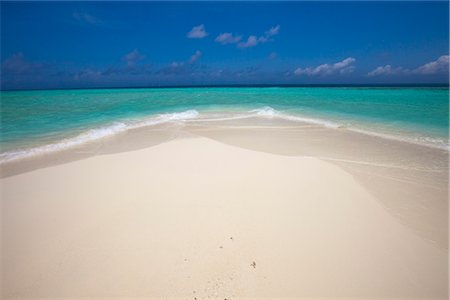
35 122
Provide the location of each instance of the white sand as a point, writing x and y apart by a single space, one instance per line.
189 217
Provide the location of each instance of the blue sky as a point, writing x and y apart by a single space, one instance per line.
117 44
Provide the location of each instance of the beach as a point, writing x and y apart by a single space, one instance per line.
224 150
232 209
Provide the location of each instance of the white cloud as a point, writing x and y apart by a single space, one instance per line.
197 32
196 56
133 57
388 70
342 67
438 66
184 65
227 38
273 31
252 41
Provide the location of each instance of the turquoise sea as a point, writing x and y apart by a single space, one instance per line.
33 122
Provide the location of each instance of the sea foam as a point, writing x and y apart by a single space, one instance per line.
269 112
194 116
95 134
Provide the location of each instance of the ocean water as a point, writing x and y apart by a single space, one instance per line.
34 122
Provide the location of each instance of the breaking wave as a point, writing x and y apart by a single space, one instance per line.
195 116
95 134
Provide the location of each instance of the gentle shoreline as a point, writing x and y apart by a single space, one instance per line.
183 208
264 118
31 124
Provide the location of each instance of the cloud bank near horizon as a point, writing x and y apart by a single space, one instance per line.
438 66
342 67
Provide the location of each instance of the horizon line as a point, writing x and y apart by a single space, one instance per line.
437 84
